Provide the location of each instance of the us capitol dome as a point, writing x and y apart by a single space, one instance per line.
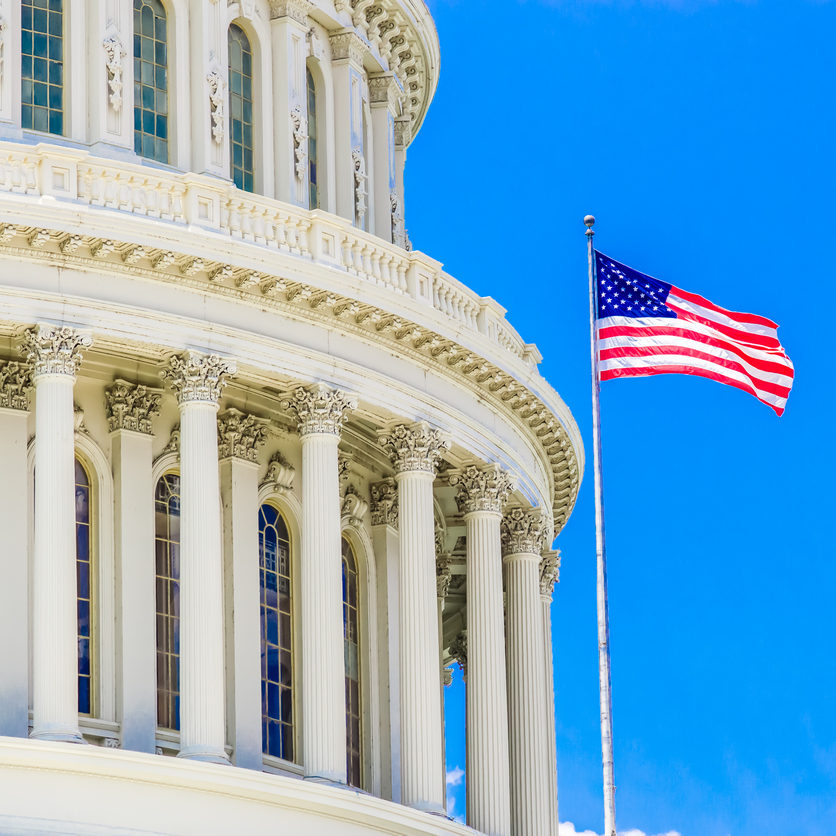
267 471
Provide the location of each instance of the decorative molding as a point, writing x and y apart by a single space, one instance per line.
481 488
54 349
384 89
360 178
280 474
415 447
297 10
549 573
399 238
384 503
15 385
348 45
343 469
240 436
319 409
524 531
131 406
112 743
354 507
458 650
217 97
114 56
78 420
197 377
173 445
446 675
443 576
300 142
403 133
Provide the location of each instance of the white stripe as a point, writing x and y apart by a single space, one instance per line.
723 319
681 342
677 360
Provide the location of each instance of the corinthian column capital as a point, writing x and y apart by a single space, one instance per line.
524 531
415 447
319 409
197 377
549 573
15 384
481 488
131 406
53 349
240 436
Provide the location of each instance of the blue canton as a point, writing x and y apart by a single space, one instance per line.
623 291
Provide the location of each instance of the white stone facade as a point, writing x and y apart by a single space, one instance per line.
156 320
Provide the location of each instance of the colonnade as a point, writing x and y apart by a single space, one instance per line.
511 772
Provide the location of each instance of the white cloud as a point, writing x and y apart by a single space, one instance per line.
455 776
568 829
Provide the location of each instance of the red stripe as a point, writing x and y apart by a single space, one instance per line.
656 350
745 337
747 319
613 331
612 374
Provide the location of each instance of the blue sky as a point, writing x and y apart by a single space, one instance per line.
701 134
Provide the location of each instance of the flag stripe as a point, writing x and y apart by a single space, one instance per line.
734 316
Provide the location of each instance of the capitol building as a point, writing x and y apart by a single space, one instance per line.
268 473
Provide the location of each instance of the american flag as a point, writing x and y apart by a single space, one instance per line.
646 326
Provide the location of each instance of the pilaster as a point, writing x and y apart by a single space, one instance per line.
384 95
198 380
131 409
55 354
549 575
15 384
415 451
10 94
320 412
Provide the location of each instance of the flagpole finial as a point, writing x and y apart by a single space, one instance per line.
589 222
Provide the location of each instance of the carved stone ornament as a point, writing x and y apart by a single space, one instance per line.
240 436
112 743
78 420
319 409
398 227
197 377
549 573
15 385
300 142
446 676
343 469
347 44
3 27
416 447
297 10
481 488
114 56
280 474
403 132
443 576
131 406
385 503
173 445
54 349
524 531
360 178
458 650
217 95
354 507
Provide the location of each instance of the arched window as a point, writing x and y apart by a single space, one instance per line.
313 174
150 80
241 108
42 70
84 576
167 541
276 638
353 724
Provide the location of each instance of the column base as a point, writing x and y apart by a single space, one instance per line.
204 755
58 735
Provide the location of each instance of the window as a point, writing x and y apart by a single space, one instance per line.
150 80
276 653
241 108
167 541
313 175
42 71
354 745
84 577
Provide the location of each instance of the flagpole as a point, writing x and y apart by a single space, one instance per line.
605 685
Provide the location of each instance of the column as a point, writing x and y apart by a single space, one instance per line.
15 383
239 438
384 94
549 574
288 31
523 532
415 451
197 380
347 51
385 541
130 411
321 412
55 354
481 494
443 576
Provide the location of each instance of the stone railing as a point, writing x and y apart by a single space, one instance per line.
199 202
